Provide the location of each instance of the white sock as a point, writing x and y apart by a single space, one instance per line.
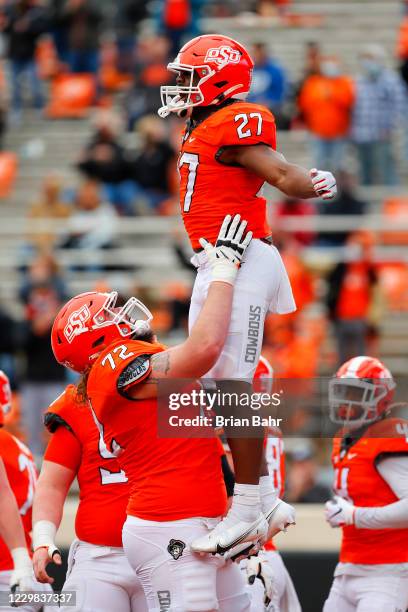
267 492
246 503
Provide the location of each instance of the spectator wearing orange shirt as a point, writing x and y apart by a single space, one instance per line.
325 102
350 298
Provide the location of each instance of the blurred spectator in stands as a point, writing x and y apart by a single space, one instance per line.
352 286
303 485
346 203
48 206
380 105
178 20
23 21
129 14
325 102
152 57
3 121
402 49
42 292
293 207
81 20
104 160
152 165
312 59
8 344
93 223
269 82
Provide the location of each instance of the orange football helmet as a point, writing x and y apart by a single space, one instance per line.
91 321
5 396
360 392
218 68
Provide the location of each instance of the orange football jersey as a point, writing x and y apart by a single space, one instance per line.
275 459
103 486
22 476
357 480
170 479
209 189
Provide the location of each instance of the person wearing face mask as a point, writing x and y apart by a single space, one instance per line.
325 102
352 295
379 109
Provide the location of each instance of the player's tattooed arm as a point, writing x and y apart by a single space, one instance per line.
272 166
161 364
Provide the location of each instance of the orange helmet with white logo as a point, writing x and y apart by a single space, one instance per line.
91 321
218 68
360 392
5 396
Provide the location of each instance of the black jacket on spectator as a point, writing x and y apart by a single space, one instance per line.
82 25
345 204
149 168
24 26
115 170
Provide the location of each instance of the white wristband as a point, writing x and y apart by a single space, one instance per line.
44 535
21 558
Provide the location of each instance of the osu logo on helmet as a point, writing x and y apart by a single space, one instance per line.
76 322
223 55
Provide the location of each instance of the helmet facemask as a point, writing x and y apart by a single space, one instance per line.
354 402
177 98
131 319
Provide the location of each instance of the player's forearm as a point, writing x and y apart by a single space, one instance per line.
48 503
11 527
294 181
392 516
208 335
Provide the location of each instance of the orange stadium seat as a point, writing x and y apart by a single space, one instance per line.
8 172
72 95
394 282
395 209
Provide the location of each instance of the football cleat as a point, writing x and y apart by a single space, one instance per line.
279 517
229 533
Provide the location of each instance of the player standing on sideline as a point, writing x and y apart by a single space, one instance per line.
17 481
370 462
228 152
177 490
98 570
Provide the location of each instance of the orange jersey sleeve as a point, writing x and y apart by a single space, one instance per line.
210 189
64 449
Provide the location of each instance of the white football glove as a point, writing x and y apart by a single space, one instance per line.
258 567
22 577
226 255
324 183
339 512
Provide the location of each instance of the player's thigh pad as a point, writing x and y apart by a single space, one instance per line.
380 593
99 578
262 285
338 599
174 579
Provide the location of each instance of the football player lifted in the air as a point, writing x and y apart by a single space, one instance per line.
228 151
370 461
